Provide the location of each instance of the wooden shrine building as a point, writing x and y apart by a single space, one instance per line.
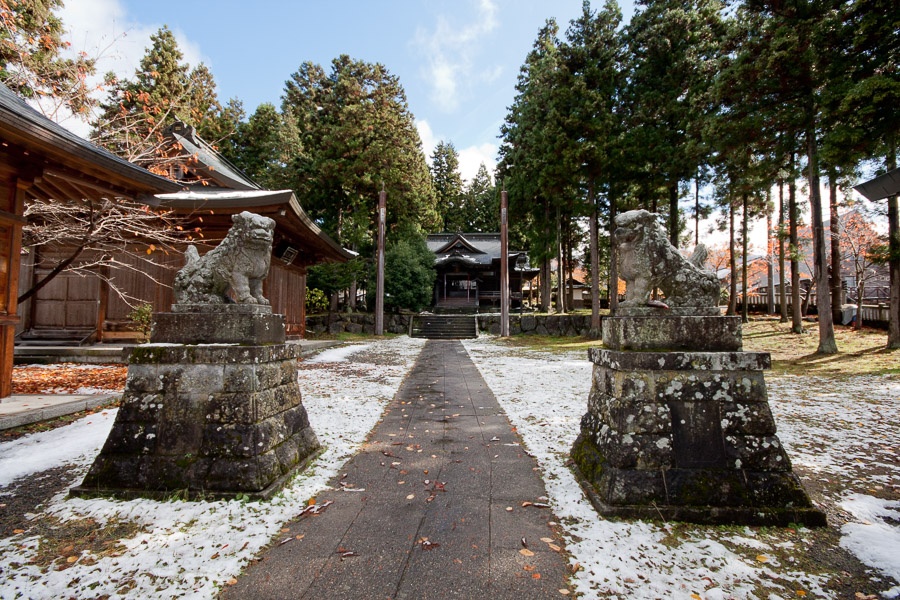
41 160
468 271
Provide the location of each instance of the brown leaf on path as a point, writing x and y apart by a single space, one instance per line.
526 552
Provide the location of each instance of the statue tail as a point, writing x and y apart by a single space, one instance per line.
191 255
698 258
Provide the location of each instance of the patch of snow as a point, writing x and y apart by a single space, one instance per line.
336 354
875 536
190 549
76 444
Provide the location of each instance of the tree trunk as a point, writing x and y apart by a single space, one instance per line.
546 284
595 263
793 217
837 292
770 259
745 247
732 263
827 344
697 210
860 294
613 255
782 291
894 260
673 213
560 271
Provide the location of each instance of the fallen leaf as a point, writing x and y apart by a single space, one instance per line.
411 496
564 592
535 575
214 556
526 503
547 540
529 567
526 552
71 559
509 509
18 531
762 558
231 581
554 547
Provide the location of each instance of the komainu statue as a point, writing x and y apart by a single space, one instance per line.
647 260
239 264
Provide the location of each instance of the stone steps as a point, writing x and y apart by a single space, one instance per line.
444 327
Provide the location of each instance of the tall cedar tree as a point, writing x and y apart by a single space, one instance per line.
264 146
448 186
135 116
672 45
592 54
536 159
483 204
358 135
32 62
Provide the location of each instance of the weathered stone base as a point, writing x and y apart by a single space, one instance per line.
667 331
686 436
205 420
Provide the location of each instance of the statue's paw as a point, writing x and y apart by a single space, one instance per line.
247 300
263 301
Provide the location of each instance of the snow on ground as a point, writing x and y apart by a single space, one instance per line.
76 444
842 430
545 395
191 549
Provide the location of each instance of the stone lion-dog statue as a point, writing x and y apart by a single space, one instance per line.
647 261
239 264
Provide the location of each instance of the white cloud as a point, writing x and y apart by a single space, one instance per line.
103 30
471 158
449 52
429 140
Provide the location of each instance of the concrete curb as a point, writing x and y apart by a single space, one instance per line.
17 410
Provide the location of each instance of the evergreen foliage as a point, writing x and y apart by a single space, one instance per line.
32 62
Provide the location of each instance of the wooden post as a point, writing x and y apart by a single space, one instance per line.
379 274
504 265
12 221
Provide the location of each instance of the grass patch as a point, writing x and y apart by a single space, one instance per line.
860 352
63 543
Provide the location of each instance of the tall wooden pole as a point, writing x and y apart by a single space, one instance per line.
504 265
379 275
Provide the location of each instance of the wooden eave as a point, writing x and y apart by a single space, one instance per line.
42 150
292 223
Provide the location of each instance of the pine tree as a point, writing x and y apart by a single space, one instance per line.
135 116
483 203
448 186
31 60
358 135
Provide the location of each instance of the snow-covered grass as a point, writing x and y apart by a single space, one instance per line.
824 426
191 549
841 434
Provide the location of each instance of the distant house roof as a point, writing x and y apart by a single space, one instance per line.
474 249
65 166
881 187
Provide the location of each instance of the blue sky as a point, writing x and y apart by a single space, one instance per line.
456 59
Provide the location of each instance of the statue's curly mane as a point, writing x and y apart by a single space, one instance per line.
648 261
239 263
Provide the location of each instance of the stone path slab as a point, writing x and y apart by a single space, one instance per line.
431 507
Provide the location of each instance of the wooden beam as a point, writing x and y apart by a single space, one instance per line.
88 182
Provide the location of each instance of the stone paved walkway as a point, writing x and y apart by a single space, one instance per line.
438 512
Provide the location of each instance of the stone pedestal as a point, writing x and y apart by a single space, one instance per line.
211 409
685 433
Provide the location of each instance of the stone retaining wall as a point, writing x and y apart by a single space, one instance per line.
355 323
555 325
